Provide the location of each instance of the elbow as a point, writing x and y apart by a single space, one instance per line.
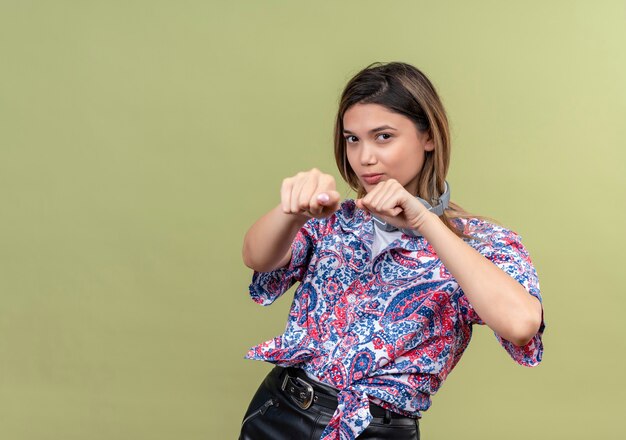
262 266
527 332
251 264
523 341
255 264
531 325
245 255
248 264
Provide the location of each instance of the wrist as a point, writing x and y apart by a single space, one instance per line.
293 219
423 220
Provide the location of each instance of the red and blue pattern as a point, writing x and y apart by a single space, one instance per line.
388 330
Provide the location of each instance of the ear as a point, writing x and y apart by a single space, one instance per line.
429 145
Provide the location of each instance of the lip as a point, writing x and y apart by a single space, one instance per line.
372 178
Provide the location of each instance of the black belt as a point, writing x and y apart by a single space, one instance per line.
305 392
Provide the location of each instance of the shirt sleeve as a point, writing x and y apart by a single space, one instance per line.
505 250
267 287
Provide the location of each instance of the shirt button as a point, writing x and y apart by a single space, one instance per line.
328 345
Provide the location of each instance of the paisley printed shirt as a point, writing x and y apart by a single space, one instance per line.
388 329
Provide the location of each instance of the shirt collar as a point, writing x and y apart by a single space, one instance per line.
359 222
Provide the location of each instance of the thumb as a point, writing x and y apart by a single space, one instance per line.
323 198
330 201
328 198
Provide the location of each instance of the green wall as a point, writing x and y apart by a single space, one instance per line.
140 139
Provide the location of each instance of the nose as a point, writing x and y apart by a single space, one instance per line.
367 156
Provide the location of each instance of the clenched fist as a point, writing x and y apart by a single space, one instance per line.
309 193
392 203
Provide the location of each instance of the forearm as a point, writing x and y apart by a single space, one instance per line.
500 300
269 239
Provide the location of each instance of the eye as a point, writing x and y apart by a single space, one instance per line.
348 138
386 134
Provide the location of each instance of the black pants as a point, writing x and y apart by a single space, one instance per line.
274 415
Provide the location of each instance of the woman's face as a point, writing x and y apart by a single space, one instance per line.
385 144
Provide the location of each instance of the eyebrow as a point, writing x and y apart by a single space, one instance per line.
374 130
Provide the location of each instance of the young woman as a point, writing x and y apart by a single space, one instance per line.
390 283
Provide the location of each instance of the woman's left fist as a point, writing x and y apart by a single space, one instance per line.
392 203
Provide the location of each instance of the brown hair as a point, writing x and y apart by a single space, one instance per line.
404 89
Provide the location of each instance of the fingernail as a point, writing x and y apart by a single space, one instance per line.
323 197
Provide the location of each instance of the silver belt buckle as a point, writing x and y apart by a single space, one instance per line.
306 396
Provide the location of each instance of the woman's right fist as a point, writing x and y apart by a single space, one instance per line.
309 193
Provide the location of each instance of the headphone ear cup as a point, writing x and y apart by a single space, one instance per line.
443 201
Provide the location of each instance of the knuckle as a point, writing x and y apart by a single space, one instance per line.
327 178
